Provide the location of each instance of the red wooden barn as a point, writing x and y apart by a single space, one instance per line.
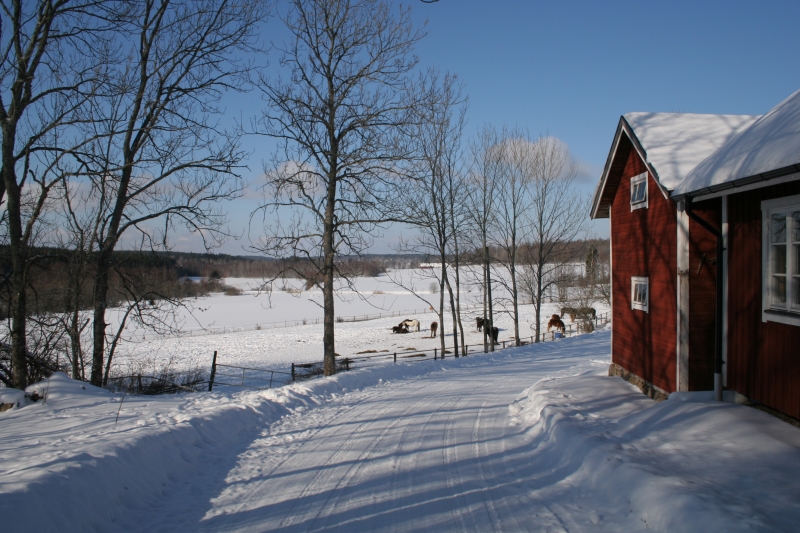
681 190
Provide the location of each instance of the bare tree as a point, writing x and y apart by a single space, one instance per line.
557 213
53 57
162 158
511 221
486 165
434 206
339 118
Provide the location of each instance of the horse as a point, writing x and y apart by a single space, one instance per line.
479 322
399 329
555 322
410 323
495 333
434 327
579 312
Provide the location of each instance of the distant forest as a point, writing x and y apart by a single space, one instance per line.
164 275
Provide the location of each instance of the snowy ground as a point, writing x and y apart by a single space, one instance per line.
527 439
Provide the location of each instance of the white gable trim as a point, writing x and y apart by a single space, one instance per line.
624 127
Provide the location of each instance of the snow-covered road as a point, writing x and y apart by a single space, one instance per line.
536 438
434 453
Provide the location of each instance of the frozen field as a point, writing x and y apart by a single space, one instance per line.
277 347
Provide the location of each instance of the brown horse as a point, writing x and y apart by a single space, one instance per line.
434 327
399 329
555 322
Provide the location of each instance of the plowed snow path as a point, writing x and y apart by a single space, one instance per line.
436 452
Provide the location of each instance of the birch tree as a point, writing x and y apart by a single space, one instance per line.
557 216
511 222
340 117
435 204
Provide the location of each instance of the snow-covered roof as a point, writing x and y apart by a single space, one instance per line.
675 143
770 143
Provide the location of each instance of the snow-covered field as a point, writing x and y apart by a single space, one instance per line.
276 347
535 438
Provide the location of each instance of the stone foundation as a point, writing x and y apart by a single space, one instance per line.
645 386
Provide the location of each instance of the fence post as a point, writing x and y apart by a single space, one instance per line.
395 357
347 365
293 377
213 371
435 354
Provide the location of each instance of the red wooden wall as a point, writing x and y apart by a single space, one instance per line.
644 244
763 357
702 295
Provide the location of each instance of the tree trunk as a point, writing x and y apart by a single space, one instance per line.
485 294
453 314
100 304
515 301
75 343
489 295
537 304
441 311
329 353
19 260
19 314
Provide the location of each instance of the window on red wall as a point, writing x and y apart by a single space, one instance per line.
781 260
639 191
640 293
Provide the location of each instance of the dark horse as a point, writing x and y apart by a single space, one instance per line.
434 327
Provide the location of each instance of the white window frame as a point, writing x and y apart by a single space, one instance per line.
788 313
636 180
642 306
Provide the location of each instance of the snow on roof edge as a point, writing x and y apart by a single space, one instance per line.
769 144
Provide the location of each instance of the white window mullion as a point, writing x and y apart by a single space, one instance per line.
793 223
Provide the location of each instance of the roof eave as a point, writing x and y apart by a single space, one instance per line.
755 181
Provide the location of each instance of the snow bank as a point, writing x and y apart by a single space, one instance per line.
687 464
69 456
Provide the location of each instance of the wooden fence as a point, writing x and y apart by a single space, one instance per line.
246 377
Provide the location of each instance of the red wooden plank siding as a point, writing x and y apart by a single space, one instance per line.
702 296
763 357
644 244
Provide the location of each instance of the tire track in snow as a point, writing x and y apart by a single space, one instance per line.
450 460
326 471
352 473
491 508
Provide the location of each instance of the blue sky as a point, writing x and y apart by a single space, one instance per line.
571 68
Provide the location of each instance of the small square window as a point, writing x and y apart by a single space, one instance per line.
640 289
639 191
